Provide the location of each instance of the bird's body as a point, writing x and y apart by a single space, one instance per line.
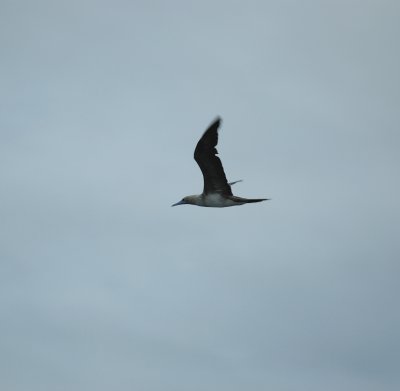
216 200
217 191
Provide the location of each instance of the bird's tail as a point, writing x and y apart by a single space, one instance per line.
250 200
247 200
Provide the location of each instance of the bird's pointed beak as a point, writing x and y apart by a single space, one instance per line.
181 202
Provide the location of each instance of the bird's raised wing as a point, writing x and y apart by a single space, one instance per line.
210 164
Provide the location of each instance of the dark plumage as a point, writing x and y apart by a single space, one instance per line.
217 191
210 164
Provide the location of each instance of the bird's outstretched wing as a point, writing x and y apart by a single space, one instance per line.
210 164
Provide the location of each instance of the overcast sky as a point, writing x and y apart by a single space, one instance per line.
104 286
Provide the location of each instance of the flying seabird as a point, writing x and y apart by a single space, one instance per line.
217 191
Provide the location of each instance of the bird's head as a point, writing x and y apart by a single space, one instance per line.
187 200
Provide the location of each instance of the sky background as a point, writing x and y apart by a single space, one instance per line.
104 286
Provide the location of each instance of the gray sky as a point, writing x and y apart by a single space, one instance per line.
104 286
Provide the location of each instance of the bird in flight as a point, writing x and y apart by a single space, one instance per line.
217 192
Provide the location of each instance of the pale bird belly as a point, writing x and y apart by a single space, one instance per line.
217 201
